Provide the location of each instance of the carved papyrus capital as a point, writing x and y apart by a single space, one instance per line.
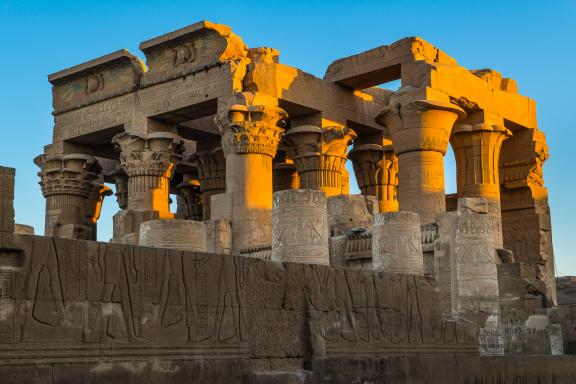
477 151
376 170
421 125
320 155
154 155
522 160
211 169
251 123
67 174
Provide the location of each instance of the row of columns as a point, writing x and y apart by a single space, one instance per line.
406 173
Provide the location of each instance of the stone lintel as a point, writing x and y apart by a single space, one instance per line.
121 55
302 94
419 64
191 49
382 64
112 75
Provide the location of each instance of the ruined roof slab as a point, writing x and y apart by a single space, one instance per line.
112 75
189 50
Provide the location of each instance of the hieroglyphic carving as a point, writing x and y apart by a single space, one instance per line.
109 76
192 49
107 296
300 226
397 243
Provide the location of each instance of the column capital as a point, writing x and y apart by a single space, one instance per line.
523 159
376 170
420 125
251 123
211 166
157 154
320 155
71 174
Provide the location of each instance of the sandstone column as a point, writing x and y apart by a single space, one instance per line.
320 156
66 182
465 258
420 133
477 151
212 176
300 227
397 243
526 221
251 125
376 170
149 163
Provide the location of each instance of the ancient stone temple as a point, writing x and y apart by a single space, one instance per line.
269 270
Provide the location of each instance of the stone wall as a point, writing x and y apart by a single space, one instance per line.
86 301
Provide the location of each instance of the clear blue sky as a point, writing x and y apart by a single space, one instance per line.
530 41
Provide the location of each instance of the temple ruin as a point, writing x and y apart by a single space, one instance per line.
269 270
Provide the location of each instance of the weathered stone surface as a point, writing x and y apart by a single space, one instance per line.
7 207
350 211
186 235
109 76
376 170
320 156
300 227
477 143
397 243
566 289
191 49
420 133
526 223
465 259
218 236
251 128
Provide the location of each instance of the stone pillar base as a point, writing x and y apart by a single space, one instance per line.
300 227
186 235
397 243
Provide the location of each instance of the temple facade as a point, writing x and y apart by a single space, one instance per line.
269 264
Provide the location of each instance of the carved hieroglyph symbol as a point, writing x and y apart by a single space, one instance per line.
94 83
184 54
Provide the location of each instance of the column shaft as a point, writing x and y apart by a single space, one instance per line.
477 151
420 133
251 127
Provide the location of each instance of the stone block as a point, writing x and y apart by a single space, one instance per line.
299 227
465 261
397 243
350 211
221 206
218 236
472 205
186 235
